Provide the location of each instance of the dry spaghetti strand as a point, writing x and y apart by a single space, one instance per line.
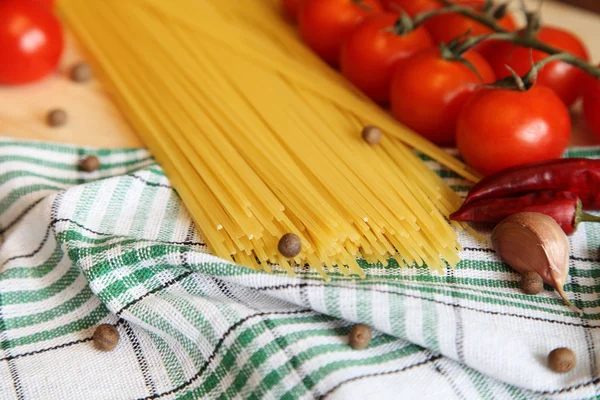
260 138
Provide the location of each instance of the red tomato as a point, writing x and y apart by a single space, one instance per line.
414 7
325 24
373 51
411 7
501 128
31 41
446 27
291 8
591 104
428 92
564 79
47 3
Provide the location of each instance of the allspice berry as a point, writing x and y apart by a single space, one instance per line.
532 283
371 134
562 360
360 336
289 245
106 337
89 164
81 73
56 118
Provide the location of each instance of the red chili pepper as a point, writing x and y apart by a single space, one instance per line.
564 207
580 176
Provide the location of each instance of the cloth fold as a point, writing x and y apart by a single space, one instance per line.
117 246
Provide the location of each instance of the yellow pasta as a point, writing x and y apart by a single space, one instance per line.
260 138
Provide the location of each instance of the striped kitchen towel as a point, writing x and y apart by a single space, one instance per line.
116 246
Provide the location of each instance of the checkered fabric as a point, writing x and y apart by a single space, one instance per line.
117 246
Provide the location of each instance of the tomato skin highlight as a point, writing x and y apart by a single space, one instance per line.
31 41
500 128
325 24
372 52
428 92
292 8
566 80
591 104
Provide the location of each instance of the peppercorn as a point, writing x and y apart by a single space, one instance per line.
371 134
532 282
81 73
360 336
56 117
89 164
289 245
106 337
562 360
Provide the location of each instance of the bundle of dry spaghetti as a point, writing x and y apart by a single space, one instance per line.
260 138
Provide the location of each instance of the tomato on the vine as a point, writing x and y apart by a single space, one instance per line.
325 24
47 3
414 7
374 50
566 80
446 27
428 92
501 128
591 104
31 41
411 7
291 8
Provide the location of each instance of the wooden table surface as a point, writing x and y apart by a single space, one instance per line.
95 121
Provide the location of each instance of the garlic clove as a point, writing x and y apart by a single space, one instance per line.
534 242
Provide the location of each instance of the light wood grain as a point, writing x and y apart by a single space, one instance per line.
95 121
93 118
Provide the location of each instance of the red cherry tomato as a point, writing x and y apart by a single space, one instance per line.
291 8
47 3
564 79
325 24
591 104
501 128
428 92
414 7
373 51
446 27
411 7
31 41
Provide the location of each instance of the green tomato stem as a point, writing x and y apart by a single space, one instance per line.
529 41
421 18
360 4
483 18
404 25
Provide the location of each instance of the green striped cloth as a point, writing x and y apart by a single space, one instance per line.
116 246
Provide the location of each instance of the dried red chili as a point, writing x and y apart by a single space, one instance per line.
580 176
564 207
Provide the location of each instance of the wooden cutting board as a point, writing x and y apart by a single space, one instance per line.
95 121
